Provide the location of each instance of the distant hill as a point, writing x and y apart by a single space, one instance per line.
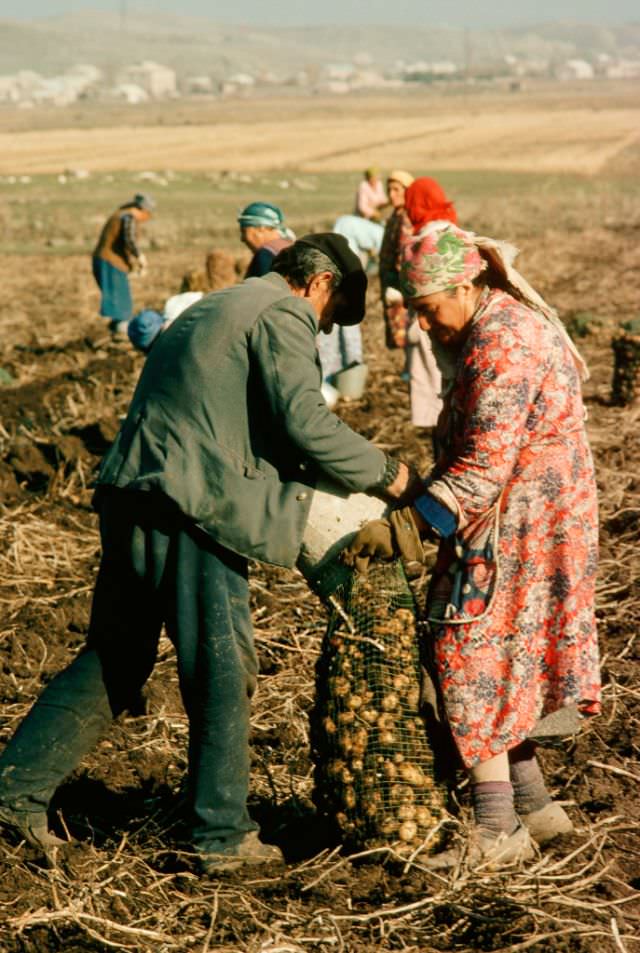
197 45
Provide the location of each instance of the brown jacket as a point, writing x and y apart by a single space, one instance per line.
112 244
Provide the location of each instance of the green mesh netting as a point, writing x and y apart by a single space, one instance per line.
373 763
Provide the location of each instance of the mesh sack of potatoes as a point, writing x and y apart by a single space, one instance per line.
625 386
374 770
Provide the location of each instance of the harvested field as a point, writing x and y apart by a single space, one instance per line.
129 882
512 141
545 127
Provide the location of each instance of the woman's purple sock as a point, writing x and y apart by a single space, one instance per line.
529 790
493 806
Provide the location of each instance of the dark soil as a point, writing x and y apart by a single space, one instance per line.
128 880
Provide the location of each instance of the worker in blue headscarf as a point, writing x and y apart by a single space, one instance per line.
263 231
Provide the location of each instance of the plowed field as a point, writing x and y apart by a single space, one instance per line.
128 881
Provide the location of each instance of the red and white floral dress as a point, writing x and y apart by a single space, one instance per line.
512 601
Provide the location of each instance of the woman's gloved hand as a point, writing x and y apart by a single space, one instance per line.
407 539
386 539
373 541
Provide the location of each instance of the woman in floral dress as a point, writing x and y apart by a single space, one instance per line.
513 501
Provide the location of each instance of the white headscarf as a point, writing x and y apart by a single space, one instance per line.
501 256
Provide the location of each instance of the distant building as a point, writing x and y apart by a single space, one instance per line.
55 92
422 69
238 83
9 89
130 93
28 88
242 79
623 69
159 82
575 69
527 66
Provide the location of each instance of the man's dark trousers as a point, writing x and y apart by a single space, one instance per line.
156 568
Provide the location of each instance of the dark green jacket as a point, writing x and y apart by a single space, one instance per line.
229 422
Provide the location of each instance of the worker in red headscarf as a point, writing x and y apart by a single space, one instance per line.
424 202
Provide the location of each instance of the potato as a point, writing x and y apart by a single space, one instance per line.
401 682
329 725
389 826
340 686
386 721
424 817
411 773
408 831
389 770
406 812
360 741
346 743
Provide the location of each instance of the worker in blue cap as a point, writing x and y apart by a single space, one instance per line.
263 231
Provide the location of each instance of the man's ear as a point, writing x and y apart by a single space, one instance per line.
316 281
325 278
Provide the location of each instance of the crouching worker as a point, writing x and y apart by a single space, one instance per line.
215 464
513 502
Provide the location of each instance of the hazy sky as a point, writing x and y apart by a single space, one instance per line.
443 12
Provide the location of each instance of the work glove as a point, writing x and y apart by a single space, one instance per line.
386 539
407 540
373 541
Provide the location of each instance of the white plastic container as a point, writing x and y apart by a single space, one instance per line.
334 518
352 381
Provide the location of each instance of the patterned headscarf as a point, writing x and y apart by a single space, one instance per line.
439 258
443 256
425 202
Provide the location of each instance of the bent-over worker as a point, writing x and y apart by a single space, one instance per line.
215 464
513 500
